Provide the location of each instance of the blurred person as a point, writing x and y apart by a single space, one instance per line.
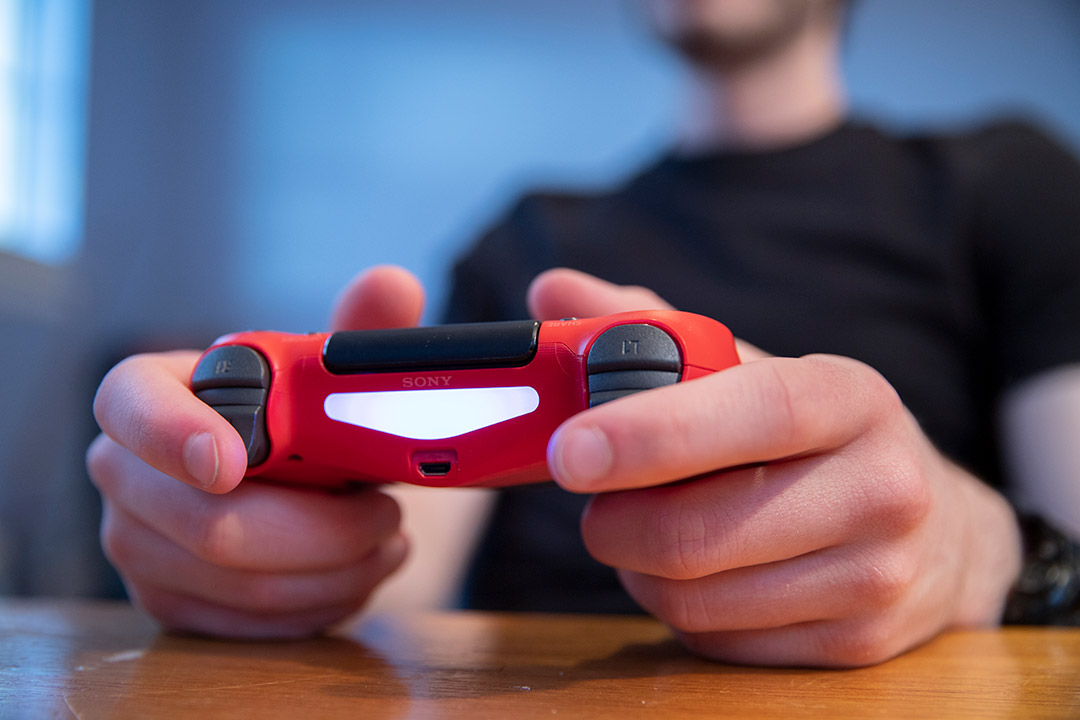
848 492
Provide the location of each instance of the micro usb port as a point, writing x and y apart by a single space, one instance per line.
435 469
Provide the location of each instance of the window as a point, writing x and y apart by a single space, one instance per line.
43 67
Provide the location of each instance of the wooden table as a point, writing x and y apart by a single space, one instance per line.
88 660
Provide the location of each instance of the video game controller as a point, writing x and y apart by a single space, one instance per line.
453 405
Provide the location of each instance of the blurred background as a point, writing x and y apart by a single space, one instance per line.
172 170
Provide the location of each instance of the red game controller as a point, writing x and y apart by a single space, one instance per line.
454 405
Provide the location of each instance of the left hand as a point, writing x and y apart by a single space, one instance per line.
787 511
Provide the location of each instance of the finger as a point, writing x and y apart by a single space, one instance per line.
148 558
717 523
753 516
563 293
183 613
818 586
830 643
145 404
758 412
380 297
258 527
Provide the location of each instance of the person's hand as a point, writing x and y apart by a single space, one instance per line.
782 512
201 551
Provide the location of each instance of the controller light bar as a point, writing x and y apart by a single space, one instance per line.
431 414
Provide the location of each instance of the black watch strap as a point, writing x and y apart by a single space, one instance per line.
1048 589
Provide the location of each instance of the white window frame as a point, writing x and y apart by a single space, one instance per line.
44 58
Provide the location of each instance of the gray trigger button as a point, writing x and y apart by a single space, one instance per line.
250 422
234 380
627 359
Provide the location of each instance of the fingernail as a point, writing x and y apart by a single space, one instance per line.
201 458
582 456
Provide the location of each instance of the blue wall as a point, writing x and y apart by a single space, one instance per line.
378 133
303 141
921 61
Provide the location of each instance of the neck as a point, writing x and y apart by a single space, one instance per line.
792 96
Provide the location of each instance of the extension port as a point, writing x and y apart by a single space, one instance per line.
435 469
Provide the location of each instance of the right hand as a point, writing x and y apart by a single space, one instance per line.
202 552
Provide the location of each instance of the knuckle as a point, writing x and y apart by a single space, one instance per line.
385 513
776 395
899 494
114 393
683 542
168 609
879 392
874 390
643 298
860 644
218 535
265 595
122 408
885 581
99 460
153 603
682 606
897 486
867 389
114 541
101 404
142 436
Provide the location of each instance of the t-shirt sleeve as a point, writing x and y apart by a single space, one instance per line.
1028 237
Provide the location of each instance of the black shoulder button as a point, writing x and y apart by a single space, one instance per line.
231 366
627 359
634 347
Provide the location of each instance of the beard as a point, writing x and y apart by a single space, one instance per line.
721 45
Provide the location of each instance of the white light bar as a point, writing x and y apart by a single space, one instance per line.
431 414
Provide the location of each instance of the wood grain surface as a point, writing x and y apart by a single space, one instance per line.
97 660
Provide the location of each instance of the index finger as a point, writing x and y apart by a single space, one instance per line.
145 404
772 409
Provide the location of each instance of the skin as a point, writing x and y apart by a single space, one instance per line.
761 74
789 511
730 34
785 512
809 485
202 552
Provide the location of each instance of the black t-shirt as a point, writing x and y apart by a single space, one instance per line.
950 263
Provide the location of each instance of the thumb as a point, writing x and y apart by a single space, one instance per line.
385 296
563 293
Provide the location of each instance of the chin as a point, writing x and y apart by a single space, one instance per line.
729 33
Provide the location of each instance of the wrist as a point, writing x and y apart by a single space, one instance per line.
993 557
